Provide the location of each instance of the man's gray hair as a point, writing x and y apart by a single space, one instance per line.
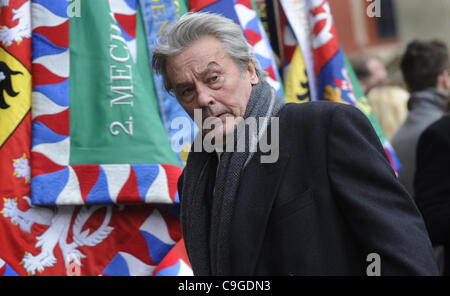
192 27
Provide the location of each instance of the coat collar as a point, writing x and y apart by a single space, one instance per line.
430 96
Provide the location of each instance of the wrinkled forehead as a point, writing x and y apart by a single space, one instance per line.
200 56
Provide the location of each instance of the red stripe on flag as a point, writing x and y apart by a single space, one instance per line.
134 242
388 154
58 35
328 47
42 76
130 192
127 22
252 37
177 252
246 3
173 225
271 72
59 122
3 269
197 5
87 177
173 173
43 165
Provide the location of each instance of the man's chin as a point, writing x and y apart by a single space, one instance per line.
215 133
218 138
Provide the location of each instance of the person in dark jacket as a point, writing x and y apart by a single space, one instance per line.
425 67
432 186
323 200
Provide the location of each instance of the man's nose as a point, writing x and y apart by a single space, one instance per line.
204 97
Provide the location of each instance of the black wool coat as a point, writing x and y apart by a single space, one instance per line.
330 201
432 183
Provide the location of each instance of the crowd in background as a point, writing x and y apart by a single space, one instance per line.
415 118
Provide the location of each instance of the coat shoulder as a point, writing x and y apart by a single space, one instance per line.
437 132
441 126
310 107
316 111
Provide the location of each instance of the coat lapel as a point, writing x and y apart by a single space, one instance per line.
194 212
258 188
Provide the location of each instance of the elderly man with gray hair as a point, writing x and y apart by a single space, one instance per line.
329 204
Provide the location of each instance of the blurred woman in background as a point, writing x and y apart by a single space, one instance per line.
389 104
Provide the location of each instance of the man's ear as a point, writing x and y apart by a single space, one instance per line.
447 79
444 81
252 73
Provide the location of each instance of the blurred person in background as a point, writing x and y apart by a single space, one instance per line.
432 186
425 69
389 104
369 69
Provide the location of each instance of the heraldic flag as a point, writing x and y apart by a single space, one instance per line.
330 76
314 65
157 15
295 74
103 198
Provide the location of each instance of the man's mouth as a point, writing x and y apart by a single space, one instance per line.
220 116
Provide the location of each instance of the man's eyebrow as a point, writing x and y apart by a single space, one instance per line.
182 85
210 67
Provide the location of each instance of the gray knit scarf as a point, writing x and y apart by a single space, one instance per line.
206 230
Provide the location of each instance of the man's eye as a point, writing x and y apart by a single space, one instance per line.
186 92
214 78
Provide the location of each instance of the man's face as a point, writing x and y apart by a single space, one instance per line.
378 73
204 76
